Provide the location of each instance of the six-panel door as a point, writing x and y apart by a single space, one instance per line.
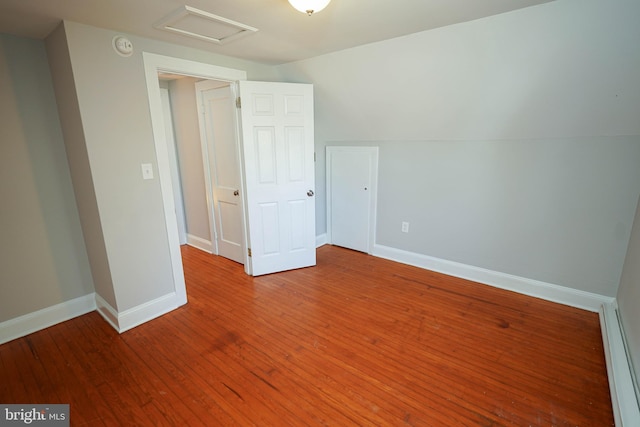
277 139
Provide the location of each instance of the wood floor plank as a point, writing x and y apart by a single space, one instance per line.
334 339
45 378
125 376
272 341
87 401
356 340
317 346
14 388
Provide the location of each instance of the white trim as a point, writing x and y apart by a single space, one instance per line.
200 243
154 63
107 312
41 319
190 68
321 240
547 291
138 315
623 397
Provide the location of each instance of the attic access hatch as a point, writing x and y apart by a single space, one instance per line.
191 22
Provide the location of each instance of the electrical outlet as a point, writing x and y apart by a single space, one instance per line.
405 227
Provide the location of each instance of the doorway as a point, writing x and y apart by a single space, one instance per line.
277 129
153 64
207 162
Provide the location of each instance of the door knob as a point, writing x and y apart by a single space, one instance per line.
310 193
236 192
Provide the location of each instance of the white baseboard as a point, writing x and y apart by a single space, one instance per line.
109 313
200 243
547 291
41 319
321 240
129 319
623 396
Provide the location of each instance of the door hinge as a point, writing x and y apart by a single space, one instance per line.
249 252
238 102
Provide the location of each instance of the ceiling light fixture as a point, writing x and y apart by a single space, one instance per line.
309 6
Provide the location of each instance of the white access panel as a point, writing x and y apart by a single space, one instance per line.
352 180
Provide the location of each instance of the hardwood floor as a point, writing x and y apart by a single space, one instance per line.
356 340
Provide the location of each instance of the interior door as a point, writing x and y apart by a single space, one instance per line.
351 196
218 129
277 141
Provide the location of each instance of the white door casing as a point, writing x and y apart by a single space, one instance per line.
352 196
218 133
277 140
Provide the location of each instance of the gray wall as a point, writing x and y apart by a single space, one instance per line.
43 261
77 156
187 131
114 109
510 143
629 295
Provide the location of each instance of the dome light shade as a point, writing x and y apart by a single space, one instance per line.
309 6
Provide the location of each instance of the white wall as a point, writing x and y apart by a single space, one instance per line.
510 143
43 260
629 295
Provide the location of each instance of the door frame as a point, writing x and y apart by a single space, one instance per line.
154 64
373 183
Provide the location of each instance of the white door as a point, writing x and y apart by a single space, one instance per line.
277 140
174 165
351 196
220 153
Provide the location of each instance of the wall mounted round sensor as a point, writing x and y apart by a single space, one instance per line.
122 46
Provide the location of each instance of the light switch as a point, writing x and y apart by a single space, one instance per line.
147 171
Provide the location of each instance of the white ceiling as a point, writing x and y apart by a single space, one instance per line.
284 34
